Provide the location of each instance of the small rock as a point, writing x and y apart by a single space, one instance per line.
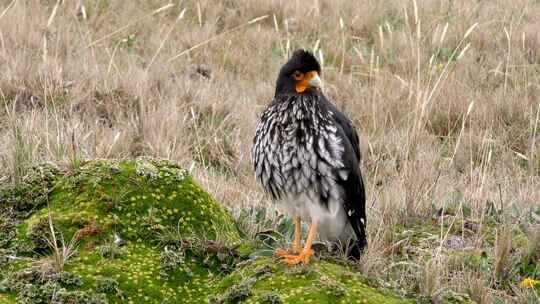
119 241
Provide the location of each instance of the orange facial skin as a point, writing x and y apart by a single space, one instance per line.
302 80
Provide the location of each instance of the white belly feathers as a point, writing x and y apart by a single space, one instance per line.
332 221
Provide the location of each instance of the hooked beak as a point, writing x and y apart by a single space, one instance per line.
315 82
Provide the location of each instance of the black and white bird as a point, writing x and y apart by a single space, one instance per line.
306 155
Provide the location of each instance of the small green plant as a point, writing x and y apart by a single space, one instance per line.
172 260
107 285
270 298
38 232
79 297
266 228
7 231
235 293
70 279
34 293
19 200
169 236
333 287
110 250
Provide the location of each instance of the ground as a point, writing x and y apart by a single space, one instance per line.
263 280
178 244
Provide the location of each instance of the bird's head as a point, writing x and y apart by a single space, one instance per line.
299 75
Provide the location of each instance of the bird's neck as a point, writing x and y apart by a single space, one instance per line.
292 96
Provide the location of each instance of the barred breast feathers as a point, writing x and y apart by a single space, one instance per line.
297 149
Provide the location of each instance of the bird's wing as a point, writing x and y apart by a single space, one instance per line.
353 184
349 131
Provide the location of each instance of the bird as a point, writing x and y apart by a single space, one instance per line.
306 155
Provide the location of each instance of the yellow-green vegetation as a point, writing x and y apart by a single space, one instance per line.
135 199
162 217
143 231
266 281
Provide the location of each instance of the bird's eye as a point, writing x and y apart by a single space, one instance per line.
298 75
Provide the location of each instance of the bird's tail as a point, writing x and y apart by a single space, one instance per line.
355 249
355 246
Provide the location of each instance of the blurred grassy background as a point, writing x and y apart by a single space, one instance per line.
445 95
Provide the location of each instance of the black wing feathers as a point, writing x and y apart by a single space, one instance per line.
355 196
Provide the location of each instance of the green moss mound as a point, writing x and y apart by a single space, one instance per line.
143 231
137 200
267 281
133 229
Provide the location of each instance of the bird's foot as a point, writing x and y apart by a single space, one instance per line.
303 257
282 252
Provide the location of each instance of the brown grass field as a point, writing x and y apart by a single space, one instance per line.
445 95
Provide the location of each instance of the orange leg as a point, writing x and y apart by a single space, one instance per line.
297 245
305 255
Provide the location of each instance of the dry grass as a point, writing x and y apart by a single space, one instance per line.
444 93
60 251
501 256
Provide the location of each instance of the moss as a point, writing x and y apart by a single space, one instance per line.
136 200
110 251
107 285
7 232
36 294
332 286
7 298
30 193
236 292
79 297
171 261
320 282
68 279
269 298
38 232
40 285
178 246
